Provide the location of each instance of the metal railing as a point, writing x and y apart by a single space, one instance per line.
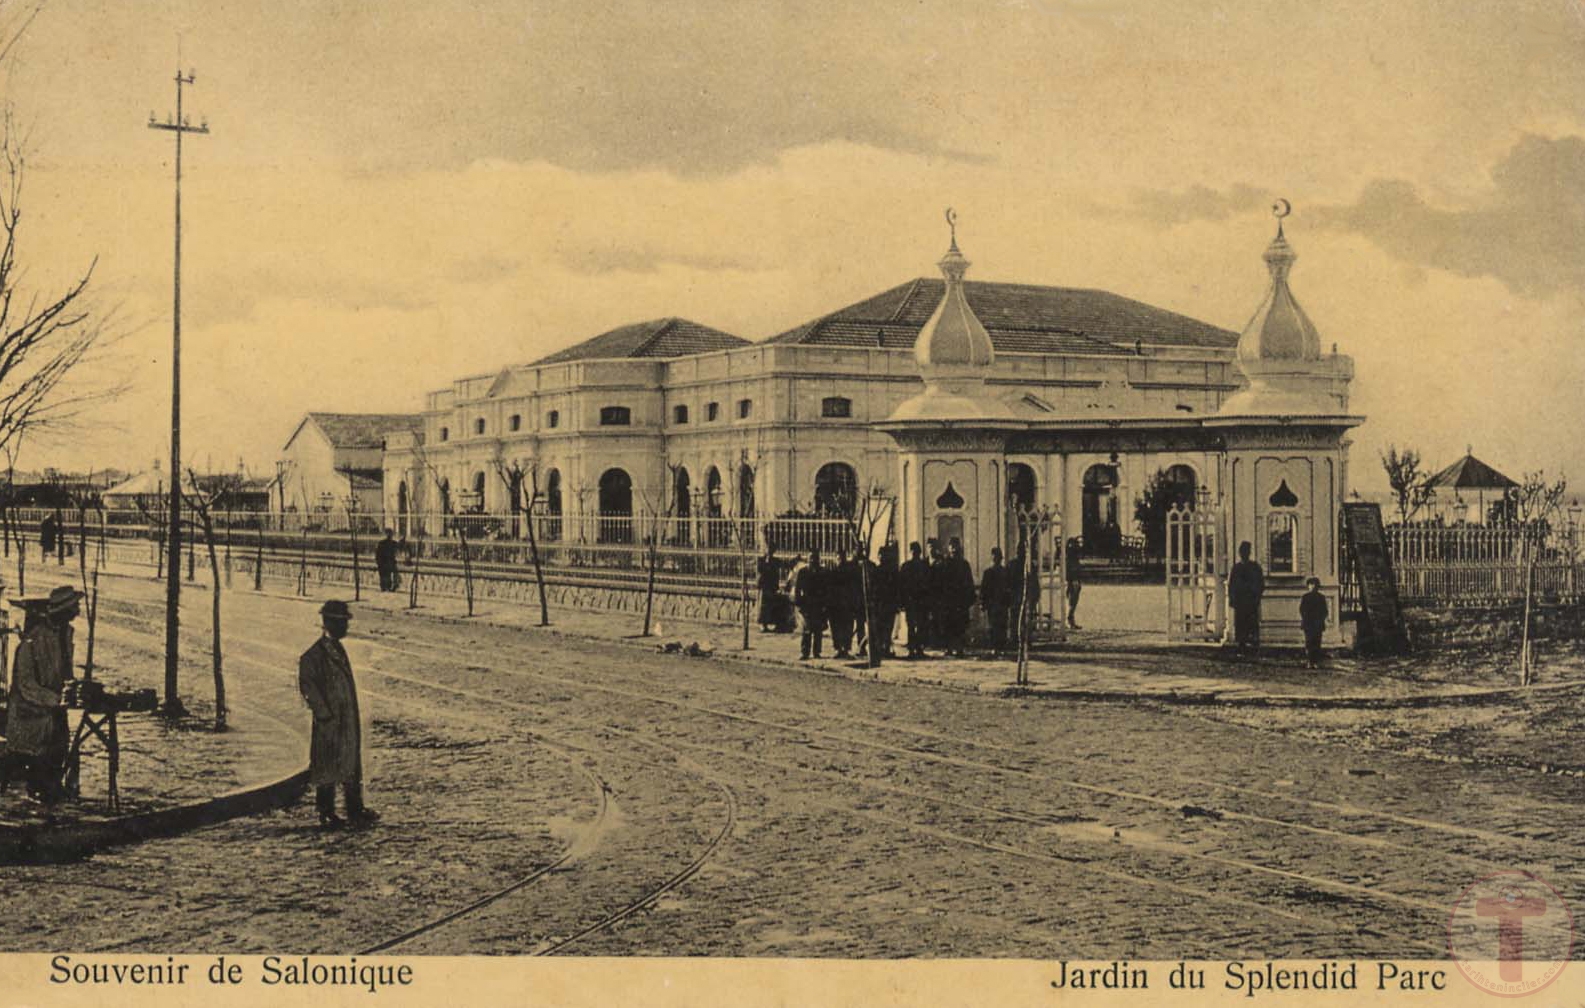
716 547
1485 564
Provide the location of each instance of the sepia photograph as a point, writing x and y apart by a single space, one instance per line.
1026 500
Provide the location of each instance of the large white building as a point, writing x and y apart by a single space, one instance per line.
677 415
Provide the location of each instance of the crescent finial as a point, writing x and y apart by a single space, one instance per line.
952 224
1281 208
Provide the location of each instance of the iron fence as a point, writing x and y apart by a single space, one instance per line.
1485 564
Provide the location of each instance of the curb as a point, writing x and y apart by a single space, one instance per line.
57 844
1184 698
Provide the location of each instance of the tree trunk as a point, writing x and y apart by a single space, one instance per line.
467 566
539 574
412 575
258 560
93 621
214 615
742 554
302 562
649 588
357 580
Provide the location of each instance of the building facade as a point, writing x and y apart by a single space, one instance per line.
333 460
676 417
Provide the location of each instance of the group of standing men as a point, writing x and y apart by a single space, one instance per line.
935 595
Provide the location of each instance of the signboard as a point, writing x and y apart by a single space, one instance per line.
1381 620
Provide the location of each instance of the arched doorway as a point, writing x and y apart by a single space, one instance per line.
552 525
616 506
1022 491
401 509
716 532
476 503
745 491
682 505
1102 535
836 489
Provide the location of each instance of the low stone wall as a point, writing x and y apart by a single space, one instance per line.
1462 626
523 591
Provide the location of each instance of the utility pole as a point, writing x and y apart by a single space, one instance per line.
173 545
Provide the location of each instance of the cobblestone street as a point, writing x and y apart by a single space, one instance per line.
543 794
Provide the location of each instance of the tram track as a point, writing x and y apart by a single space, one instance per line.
429 653
579 849
1254 905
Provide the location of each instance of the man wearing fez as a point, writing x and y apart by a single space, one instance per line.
1246 583
334 756
36 734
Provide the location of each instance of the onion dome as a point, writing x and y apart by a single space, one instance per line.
953 340
954 354
1279 352
1280 330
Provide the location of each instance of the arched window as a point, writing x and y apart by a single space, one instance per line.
712 411
552 524
445 433
553 419
401 509
836 489
445 496
719 533
1282 532
615 416
516 423
616 506
1102 536
1021 493
478 426
477 503
682 505
836 406
679 414
745 491
745 408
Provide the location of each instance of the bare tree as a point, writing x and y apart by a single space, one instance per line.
522 483
200 501
744 519
1411 489
1537 501
45 340
657 512
870 518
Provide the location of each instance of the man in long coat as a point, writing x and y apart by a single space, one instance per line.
954 589
385 561
811 585
996 597
36 733
1246 583
913 594
324 674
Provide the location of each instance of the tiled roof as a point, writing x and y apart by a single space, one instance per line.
1021 318
363 430
665 337
1470 473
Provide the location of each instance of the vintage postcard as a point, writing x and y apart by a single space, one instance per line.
1022 502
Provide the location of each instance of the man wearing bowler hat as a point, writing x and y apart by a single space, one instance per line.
335 753
36 733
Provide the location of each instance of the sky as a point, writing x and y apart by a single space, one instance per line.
397 194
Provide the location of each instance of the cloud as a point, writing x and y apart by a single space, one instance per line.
1197 203
614 258
1526 230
